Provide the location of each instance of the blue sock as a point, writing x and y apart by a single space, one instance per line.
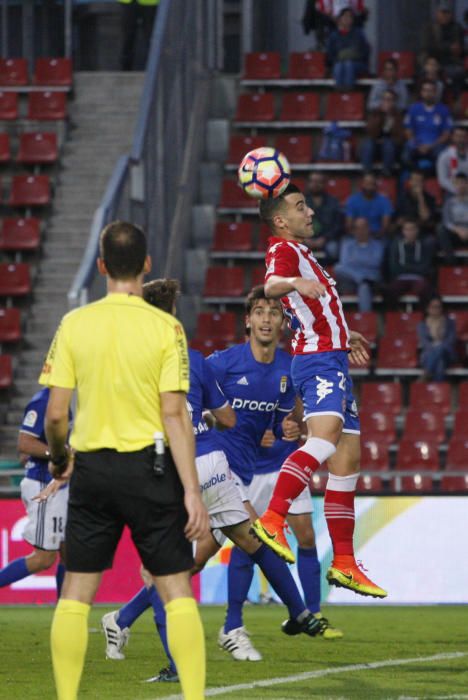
277 572
14 571
160 620
308 568
240 575
59 576
132 610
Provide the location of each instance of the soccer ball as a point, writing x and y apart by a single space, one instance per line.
264 173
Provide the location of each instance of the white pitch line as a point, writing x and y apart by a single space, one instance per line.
309 675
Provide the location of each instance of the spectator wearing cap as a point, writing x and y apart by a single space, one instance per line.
443 38
416 203
410 263
437 340
370 204
385 134
388 81
328 217
347 51
453 160
453 231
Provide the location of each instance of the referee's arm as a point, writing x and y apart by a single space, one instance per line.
179 431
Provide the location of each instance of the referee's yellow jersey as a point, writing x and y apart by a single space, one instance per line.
119 353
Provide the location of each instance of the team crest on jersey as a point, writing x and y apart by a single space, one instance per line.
283 384
30 419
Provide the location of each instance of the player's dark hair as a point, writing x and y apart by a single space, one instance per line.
162 293
268 208
255 294
122 247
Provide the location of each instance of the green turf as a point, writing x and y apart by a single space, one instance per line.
371 634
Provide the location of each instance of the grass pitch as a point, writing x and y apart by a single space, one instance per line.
372 635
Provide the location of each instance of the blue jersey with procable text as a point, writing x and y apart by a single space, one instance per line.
270 459
204 393
259 393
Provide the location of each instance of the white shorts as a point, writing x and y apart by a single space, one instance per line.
260 491
219 491
45 528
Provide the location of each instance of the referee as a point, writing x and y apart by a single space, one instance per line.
128 362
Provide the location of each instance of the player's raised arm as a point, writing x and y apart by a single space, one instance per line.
276 287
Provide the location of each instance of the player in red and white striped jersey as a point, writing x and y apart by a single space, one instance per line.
320 374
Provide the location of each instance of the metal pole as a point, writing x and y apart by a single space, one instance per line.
4 28
67 29
27 26
247 29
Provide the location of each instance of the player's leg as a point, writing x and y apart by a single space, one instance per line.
116 624
33 563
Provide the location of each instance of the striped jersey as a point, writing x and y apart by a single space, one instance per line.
319 324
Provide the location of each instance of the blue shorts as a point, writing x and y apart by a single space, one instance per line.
322 381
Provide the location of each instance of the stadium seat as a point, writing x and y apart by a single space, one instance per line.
339 187
300 107
233 197
217 326
8 105
240 145
345 106
457 452
230 236
259 107
207 346
430 395
258 275
378 425
53 71
388 186
224 282
45 106
405 59
453 281
432 186
13 72
15 279
30 191
381 396
6 371
5 153
464 106
262 65
10 325
309 65
417 455
416 482
461 422
297 149
318 482
397 353
463 396
20 234
425 424
402 323
368 483
461 323
37 148
263 235
374 455
363 322
452 484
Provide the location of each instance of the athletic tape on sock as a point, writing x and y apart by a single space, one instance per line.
319 449
342 483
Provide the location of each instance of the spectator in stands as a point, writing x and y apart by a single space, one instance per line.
360 264
443 38
388 81
133 13
373 206
453 231
437 340
347 51
428 124
453 160
415 203
320 16
328 217
385 134
431 70
410 263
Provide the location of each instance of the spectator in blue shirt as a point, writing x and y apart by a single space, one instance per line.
370 204
428 124
360 264
437 340
347 51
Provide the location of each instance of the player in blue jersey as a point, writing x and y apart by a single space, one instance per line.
45 527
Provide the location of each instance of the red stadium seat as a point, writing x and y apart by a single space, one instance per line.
309 65
426 424
378 425
339 187
388 187
217 326
416 482
461 323
240 145
461 422
53 71
345 106
405 60
297 149
263 235
399 323
259 107
13 71
363 322
318 482
257 276
300 182
224 282
10 325
374 455
5 153
37 148
233 197
45 106
30 191
6 371
431 395
8 105
207 346
432 187
381 395
464 106
368 483
20 234
463 396
457 453
15 280
300 107
397 353
418 455
452 484
262 65
230 236
453 281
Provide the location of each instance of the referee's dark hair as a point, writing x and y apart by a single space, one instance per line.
123 249
162 293
268 208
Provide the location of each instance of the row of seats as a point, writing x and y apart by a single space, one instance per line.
29 191
414 483
50 71
42 106
428 423
34 148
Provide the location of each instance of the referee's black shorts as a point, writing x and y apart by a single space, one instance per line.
109 490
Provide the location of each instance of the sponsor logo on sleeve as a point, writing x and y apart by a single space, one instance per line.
30 419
